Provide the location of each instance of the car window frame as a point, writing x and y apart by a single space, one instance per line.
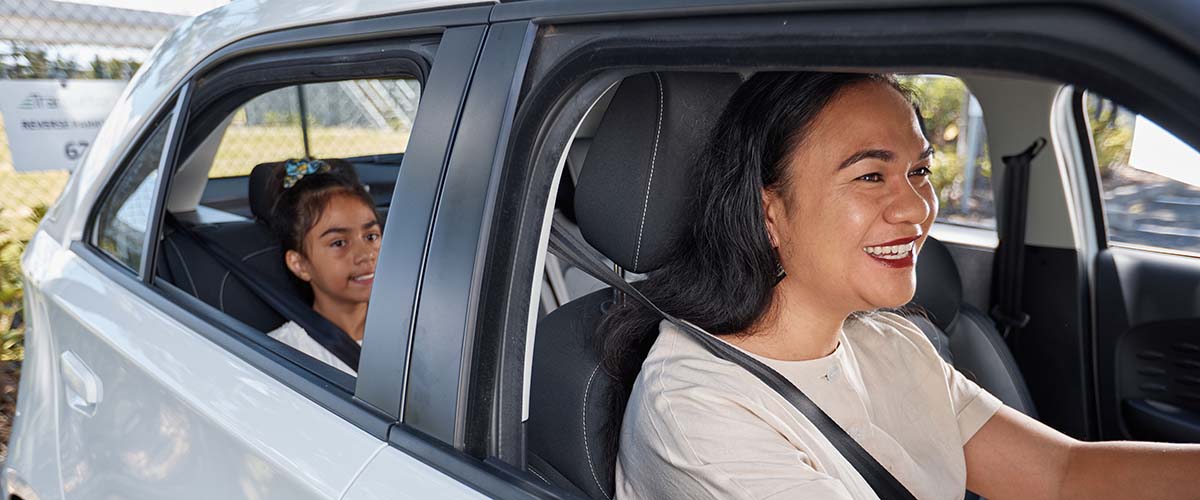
232 335
536 145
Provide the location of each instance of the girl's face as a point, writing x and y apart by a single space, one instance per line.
340 252
857 204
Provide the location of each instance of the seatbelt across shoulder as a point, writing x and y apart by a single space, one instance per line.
321 330
882 482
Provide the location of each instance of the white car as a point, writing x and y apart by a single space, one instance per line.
151 282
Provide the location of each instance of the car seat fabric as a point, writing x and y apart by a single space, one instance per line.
964 335
630 197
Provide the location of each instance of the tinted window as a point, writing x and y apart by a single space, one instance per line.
1149 178
344 119
962 173
124 217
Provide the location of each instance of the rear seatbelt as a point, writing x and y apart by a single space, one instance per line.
572 249
1009 270
321 330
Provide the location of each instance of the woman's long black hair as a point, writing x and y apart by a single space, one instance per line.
721 273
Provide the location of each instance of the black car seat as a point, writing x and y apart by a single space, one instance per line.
193 269
963 335
630 200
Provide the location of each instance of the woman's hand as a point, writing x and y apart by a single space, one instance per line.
1014 456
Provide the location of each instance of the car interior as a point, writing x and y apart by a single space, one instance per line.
623 189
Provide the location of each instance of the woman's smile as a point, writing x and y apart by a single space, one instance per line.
897 253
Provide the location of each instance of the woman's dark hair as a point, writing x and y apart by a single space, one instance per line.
721 272
298 208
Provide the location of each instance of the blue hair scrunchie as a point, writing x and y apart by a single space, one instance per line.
297 169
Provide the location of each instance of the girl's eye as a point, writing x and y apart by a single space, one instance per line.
922 172
872 177
338 243
373 237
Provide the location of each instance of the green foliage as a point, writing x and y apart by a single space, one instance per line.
28 62
11 292
1112 134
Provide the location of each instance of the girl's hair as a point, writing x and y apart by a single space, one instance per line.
721 272
298 208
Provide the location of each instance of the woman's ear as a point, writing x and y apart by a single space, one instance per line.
297 264
773 210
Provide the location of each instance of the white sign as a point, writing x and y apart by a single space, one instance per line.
1157 150
50 123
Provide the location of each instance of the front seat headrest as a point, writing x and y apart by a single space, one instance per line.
632 194
939 287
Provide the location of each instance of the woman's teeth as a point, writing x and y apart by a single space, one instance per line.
891 252
364 277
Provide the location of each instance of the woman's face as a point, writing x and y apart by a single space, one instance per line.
856 203
340 252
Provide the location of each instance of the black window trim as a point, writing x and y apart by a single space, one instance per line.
563 78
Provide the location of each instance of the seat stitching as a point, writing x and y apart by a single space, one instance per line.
221 295
587 391
543 478
258 252
649 181
186 271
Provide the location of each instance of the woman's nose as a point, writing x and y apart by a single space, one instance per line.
908 206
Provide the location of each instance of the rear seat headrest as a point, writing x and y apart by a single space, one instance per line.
939 286
259 185
632 194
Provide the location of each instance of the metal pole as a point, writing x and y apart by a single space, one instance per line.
303 119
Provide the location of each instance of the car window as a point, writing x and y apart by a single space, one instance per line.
123 218
962 172
341 119
1149 179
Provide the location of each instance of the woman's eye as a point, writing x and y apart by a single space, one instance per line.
922 172
872 177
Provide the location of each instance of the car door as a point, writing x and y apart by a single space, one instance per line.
154 399
1147 300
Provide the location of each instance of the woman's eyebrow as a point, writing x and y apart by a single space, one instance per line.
878 154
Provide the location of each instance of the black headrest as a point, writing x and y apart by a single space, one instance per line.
939 287
259 186
635 183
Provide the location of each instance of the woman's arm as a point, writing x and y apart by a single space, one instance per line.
1014 456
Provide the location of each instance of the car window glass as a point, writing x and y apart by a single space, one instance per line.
342 119
962 172
123 218
1150 180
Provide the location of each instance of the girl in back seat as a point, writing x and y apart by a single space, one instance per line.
330 236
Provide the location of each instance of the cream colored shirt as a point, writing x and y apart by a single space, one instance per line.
292 334
700 427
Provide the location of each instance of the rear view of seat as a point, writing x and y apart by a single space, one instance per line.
193 270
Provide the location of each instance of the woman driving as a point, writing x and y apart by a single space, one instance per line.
813 203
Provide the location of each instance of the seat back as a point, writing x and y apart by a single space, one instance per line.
628 202
964 336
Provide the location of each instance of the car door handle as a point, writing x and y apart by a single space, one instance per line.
84 389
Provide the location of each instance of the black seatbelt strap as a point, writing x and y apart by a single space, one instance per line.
320 329
569 247
1009 269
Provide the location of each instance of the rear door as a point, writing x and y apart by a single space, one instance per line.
156 399
1147 291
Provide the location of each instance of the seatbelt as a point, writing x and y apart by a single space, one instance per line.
570 248
320 329
1009 270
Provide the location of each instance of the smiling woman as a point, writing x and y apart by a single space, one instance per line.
813 203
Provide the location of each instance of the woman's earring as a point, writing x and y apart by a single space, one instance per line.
780 273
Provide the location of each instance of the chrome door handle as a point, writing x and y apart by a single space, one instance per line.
84 389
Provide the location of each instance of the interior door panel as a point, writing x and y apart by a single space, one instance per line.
1148 345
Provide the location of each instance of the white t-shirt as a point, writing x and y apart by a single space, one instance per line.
292 334
700 427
